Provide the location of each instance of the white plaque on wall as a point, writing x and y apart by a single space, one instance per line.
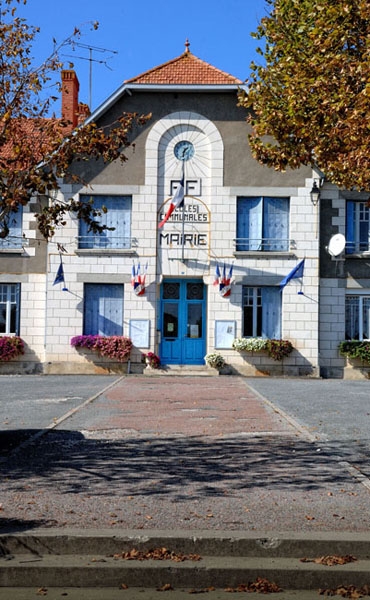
224 334
139 332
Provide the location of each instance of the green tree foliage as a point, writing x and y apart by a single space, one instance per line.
36 152
310 98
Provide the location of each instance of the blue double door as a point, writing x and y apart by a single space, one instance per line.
183 322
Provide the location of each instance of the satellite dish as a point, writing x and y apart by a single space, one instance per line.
336 245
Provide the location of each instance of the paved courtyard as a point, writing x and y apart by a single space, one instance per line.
183 452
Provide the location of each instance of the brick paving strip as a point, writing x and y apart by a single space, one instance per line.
194 406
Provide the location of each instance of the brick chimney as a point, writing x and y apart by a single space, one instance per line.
70 88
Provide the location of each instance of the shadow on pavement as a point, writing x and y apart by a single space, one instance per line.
179 468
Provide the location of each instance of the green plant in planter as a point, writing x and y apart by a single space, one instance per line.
214 360
276 349
249 344
10 347
355 349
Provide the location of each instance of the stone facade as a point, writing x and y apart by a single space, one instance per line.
220 172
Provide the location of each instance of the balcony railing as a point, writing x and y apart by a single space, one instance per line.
263 245
12 242
104 242
357 247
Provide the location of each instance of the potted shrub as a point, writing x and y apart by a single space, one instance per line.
152 360
215 360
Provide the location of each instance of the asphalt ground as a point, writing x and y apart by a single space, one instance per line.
222 453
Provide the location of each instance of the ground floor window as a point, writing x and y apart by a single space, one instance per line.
9 308
358 316
103 309
262 312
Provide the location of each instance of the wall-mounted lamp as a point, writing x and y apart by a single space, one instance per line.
315 193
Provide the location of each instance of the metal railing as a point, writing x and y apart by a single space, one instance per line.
263 245
103 242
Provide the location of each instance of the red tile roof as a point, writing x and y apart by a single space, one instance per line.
186 69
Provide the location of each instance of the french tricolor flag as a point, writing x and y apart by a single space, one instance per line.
176 202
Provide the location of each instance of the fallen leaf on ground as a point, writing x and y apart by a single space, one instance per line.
156 554
347 591
331 560
203 591
260 586
123 586
165 588
309 518
42 591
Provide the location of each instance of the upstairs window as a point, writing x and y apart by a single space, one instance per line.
11 228
357 227
118 215
9 308
262 224
262 312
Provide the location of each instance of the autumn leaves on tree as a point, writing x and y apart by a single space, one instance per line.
36 152
310 97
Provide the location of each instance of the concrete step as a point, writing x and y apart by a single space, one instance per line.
137 593
182 370
56 559
207 542
211 571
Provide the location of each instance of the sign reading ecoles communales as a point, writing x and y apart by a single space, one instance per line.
193 214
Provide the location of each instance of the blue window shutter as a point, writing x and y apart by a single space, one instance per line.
271 313
276 224
350 227
249 224
118 216
103 309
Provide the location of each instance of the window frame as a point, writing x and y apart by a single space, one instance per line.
14 222
266 325
116 216
13 290
357 213
258 216
360 296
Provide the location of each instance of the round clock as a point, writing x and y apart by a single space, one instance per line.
184 150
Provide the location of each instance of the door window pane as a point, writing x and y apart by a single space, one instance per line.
194 291
171 291
194 323
171 319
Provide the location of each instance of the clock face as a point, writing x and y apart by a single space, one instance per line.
184 150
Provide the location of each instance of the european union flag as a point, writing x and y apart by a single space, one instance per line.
295 273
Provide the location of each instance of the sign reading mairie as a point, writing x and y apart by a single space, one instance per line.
187 226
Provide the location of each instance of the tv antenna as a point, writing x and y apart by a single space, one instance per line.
91 60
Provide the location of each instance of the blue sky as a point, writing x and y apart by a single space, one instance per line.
145 34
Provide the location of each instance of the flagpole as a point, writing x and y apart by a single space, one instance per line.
183 214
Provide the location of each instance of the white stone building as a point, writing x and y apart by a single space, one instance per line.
238 219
